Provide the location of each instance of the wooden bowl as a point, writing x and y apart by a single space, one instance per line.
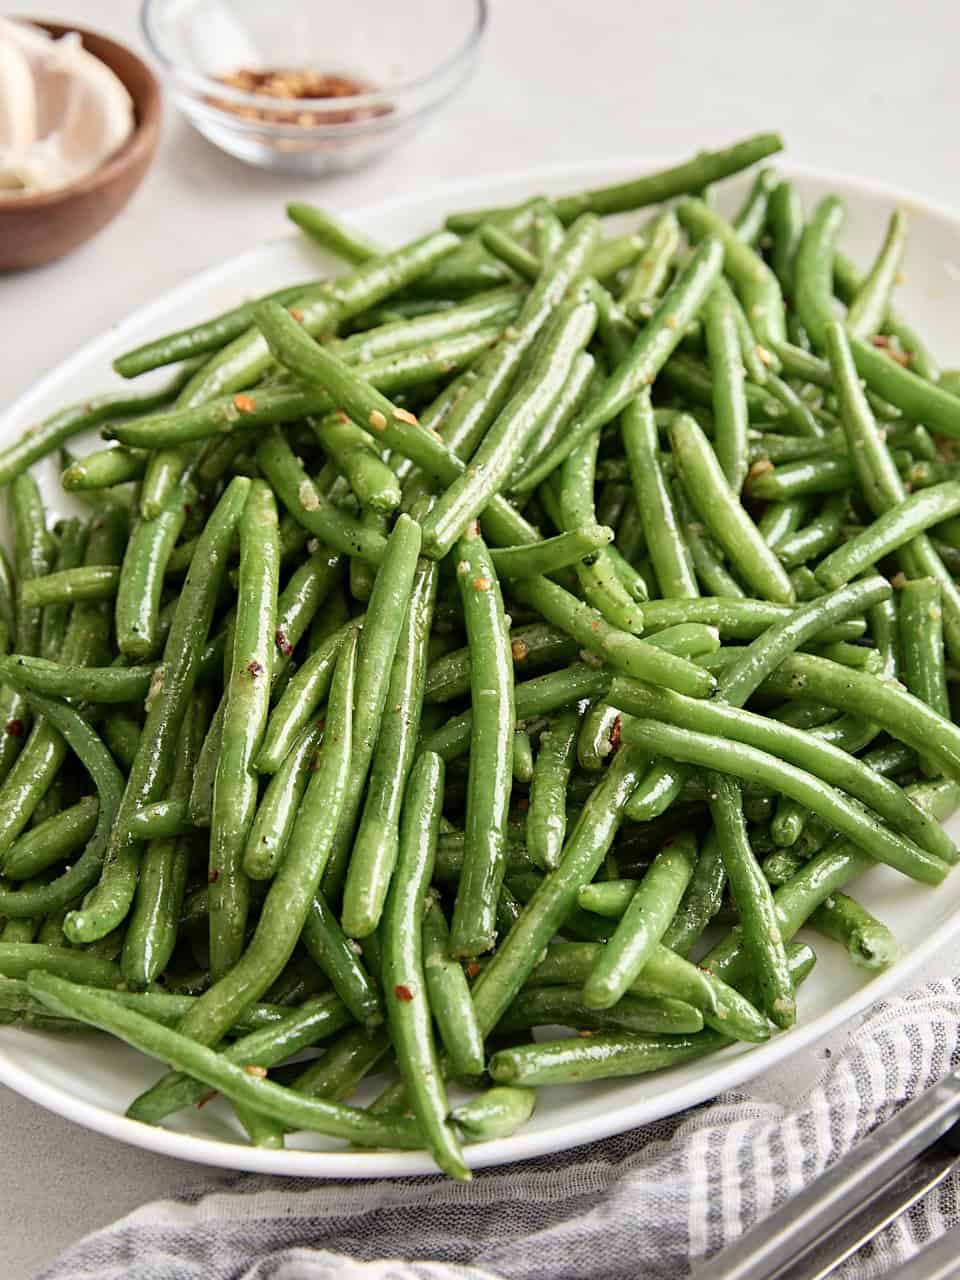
41 228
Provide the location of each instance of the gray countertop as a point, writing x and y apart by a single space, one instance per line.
861 88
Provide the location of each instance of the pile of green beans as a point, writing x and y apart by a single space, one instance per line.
522 629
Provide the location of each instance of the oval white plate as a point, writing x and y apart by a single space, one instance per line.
91 1079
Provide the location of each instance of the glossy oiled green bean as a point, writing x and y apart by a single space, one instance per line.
920 630
866 312
564 338
756 284
547 814
334 235
585 850
552 553
71 536
292 889
549 1006
623 652
530 647
43 438
491 739
760 929
277 811
595 740
449 995
738 619
729 399
141 578
108 780
665 543
848 282
706 487
357 457
23 959
868 942
488 309
918 399
378 646
703 169
890 531
652 268
742 761
654 345
151 769
300 701
95 684
404 981
785 219
826 473
804 749
303 499
374 853
495 1113
806 544
603 1056
334 954
51 842
584 376
651 908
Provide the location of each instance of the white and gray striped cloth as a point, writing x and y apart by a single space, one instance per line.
647 1205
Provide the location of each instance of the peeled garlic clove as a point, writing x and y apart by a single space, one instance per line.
18 107
99 114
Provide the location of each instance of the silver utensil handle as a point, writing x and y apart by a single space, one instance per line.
780 1240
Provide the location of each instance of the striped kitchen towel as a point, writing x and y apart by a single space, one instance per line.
649 1205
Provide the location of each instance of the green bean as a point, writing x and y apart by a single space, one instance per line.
744 761
866 312
717 504
20 959
97 684
602 1056
702 170
291 891
918 399
623 652
785 220
491 737
521 756
276 814
583 377
356 456
332 234
771 447
150 771
596 737
610 257
655 344
51 842
552 553
200 805
34 551
495 1113
816 537
163 819
691 379
890 531
378 646
568 333
921 645
375 845
652 268
300 701
760 930
823 474
448 995
491 308
806 750
548 1006
71 551
333 953
751 217
537 645
547 816
141 578
847 282
311 508
44 437
756 284
642 925
404 981
729 400
869 944
585 850
305 591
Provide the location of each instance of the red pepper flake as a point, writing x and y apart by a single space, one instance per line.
472 969
404 415
615 733
520 649
207 1097
341 416
283 644
403 993
595 625
254 668
523 804
213 876
481 584
244 403
187 510
15 728
585 1035
297 314
252 1069
377 420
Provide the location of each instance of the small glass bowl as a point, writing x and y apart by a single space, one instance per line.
397 63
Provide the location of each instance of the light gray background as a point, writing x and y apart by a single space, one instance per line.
867 88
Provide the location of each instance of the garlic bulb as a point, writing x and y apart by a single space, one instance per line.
63 112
